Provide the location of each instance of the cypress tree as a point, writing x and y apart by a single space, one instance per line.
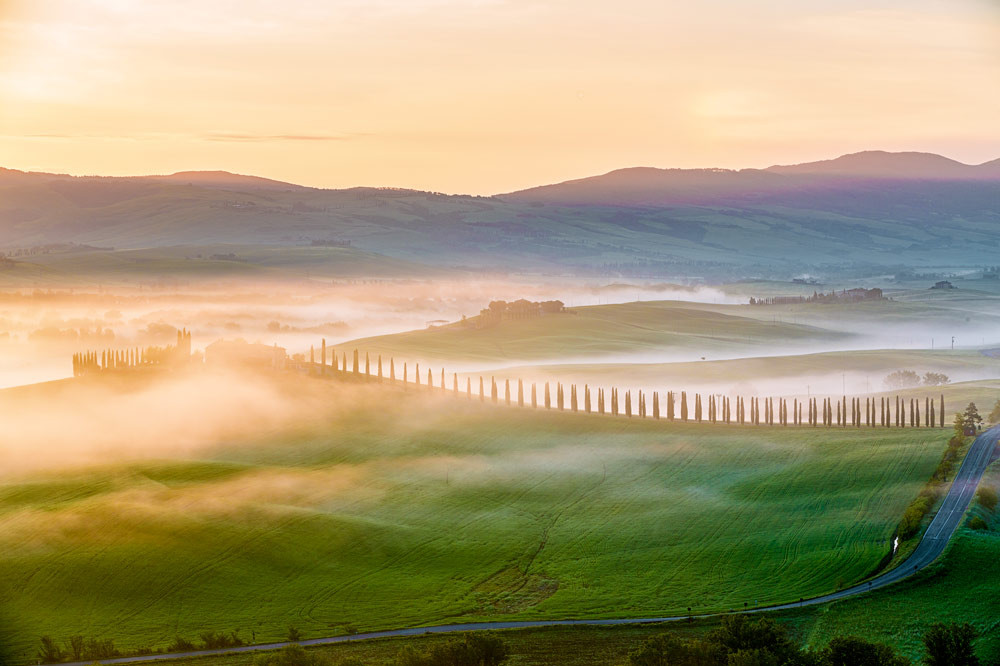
380 368
520 393
406 379
670 405
941 413
600 401
368 366
357 366
572 397
468 388
559 396
534 396
322 358
443 385
614 401
628 404
493 389
392 368
430 379
656 405
548 397
684 406
454 383
416 374
506 391
927 411
586 398
482 395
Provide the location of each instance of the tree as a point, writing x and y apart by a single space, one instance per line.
293 635
854 651
950 645
901 379
936 379
970 417
994 416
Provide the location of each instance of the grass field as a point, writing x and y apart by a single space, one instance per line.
387 509
952 590
859 371
627 329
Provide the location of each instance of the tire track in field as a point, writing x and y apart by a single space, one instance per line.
321 596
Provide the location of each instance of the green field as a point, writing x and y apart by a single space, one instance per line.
390 508
599 330
952 590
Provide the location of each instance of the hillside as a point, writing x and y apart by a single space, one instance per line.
855 213
627 331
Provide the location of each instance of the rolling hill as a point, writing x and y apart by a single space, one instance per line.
855 213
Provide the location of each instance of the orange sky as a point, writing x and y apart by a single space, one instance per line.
487 96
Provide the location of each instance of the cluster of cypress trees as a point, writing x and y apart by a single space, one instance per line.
126 359
814 412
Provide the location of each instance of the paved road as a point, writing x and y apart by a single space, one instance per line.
931 546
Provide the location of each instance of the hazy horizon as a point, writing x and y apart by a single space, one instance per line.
487 96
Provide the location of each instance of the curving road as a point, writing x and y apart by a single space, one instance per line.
933 543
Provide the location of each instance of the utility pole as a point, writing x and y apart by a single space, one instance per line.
953 343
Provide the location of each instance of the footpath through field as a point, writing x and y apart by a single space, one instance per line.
931 545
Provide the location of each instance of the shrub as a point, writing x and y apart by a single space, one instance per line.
475 649
181 645
987 498
978 523
293 655
854 651
950 645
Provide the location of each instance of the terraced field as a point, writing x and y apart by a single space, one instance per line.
389 508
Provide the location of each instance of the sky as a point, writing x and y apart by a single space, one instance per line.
488 96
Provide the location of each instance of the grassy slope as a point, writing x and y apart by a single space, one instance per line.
627 328
195 262
421 510
728 239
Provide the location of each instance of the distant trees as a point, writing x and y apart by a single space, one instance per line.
901 379
498 311
936 379
994 416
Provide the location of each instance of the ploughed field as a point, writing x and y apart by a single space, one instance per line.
386 508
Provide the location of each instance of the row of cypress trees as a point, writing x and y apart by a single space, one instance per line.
814 412
90 362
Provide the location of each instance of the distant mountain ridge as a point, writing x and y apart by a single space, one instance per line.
866 210
650 186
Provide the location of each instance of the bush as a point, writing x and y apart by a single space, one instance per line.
978 524
987 498
475 649
213 641
950 645
854 651
293 655
181 645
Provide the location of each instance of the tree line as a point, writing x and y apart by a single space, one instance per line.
898 412
739 640
91 362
